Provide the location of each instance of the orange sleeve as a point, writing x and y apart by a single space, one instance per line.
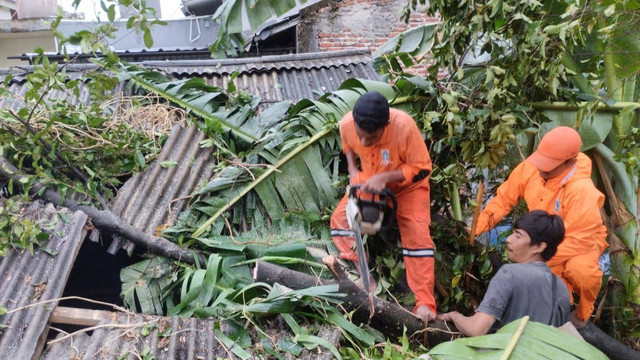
507 195
416 163
346 127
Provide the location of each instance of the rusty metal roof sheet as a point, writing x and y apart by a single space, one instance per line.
157 195
31 284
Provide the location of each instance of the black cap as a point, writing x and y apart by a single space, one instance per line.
371 111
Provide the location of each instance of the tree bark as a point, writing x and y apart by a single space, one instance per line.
611 347
389 318
104 220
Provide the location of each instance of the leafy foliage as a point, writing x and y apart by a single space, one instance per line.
279 172
72 147
532 340
19 228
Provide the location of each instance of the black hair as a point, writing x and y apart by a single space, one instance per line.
542 227
371 111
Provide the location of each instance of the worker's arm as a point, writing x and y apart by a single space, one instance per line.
379 181
478 324
507 195
352 167
416 164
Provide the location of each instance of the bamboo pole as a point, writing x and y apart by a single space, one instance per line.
476 213
514 339
259 180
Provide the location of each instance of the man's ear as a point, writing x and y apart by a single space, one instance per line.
539 247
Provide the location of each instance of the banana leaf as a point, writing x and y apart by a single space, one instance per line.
520 339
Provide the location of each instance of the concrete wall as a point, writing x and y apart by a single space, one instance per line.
5 13
21 43
348 24
35 9
177 34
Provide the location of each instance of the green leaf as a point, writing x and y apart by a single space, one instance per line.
232 345
537 341
311 342
148 39
168 164
146 283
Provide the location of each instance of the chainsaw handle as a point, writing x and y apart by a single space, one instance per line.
394 201
386 193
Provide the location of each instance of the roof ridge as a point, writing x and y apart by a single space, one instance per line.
260 59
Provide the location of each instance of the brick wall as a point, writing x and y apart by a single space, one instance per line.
348 24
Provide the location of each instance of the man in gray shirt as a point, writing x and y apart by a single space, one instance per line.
525 287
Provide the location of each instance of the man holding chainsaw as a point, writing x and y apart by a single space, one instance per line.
392 156
557 178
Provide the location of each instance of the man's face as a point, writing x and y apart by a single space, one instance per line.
558 170
368 138
519 247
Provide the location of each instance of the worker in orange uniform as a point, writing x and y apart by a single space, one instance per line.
557 178
392 155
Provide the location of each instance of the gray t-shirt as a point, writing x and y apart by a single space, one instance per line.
526 289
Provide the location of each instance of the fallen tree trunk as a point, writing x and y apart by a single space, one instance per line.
611 347
103 220
389 318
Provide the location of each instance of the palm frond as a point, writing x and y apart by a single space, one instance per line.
196 97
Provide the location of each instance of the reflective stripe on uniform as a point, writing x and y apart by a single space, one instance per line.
418 252
341 232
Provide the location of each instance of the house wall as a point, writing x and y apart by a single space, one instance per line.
5 13
36 9
22 43
348 24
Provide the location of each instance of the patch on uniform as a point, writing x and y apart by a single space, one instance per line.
386 159
557 207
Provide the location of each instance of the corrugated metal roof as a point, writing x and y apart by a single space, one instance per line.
280 77
272 78
130 336
304 61
157 195
127 336
27 280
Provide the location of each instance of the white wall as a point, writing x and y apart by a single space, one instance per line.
23 43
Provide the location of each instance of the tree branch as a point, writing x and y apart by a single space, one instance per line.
104 220
59 156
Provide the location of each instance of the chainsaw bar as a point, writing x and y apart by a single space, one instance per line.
362 257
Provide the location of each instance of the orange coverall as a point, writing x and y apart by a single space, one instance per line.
576 200
401 147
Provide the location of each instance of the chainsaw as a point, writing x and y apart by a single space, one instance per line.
367 213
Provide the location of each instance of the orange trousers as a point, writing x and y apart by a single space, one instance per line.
413 217
581 273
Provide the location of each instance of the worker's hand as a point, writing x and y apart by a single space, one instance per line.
355 177
425 314
448 316
575 320
376 183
